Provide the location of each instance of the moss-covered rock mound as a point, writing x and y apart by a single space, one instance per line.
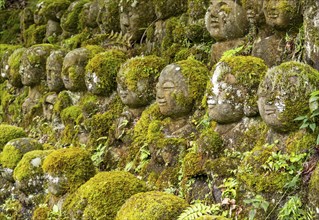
152 205
9 132
103 195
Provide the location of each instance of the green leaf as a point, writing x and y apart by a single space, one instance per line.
313 126
315 93
300 118
252 214
317 141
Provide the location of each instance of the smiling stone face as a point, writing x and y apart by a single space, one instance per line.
254 11
232 93
73 69
281 14
53 70
226 20
283 94
171 88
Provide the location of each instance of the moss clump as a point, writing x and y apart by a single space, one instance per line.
52 10
210 143
212 217
14 150
109 16
71 114
63 101
102 196
34 35
152 205
101 123
9 132
139 68
314 188
10 27
14 64
28 172
101 71
299 142
5 51
73 163
196 75
165 9
197 8
70 19
193 164
75 41
196 52
41 213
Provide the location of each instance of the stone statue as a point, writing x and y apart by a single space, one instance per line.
73 69
285 18
165 128
226 22
136 82
108 17
53 69
33 64
284 93
135 17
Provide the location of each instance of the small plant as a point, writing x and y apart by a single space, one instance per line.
97 157
258 202
229 188
283 162
198 209
293 210
310 121
2 4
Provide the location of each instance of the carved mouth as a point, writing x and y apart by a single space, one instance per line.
250 14
161 102
273 15
270 111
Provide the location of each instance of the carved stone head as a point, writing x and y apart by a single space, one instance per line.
232 92
226 19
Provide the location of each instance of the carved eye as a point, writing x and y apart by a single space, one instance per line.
168 85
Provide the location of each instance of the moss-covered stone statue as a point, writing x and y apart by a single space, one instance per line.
232 103
152 205
136 82
232 96
101 72
30 180
73 69
14 62
53 70
103 195
12 153
165 128
135 17
108 17
285 18
226 22
282 96
66 170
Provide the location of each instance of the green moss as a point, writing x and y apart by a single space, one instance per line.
165 9
139 68
34 35
25 169
222 167
152 205
258 175
102 196
196 75
14 64
73 163
193 164
9 132
105 66
101 123
71 114
109 19
299 142
11 23
197 8
52 9
63 101
41 213
70 19
314 188
210 142
5 51
14 150
75 41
